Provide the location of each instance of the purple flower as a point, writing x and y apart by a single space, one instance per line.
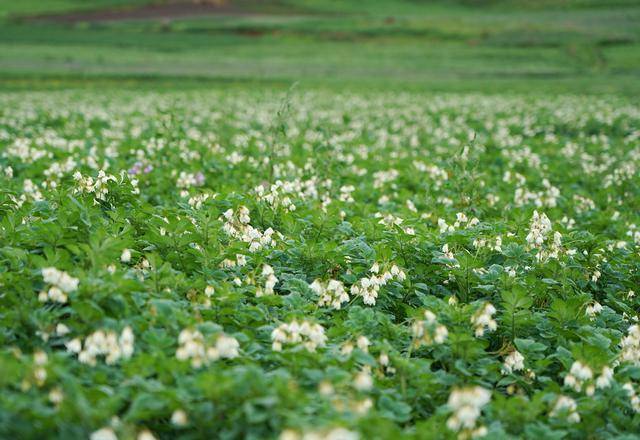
135 169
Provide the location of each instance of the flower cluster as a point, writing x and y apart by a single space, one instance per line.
462 221
192 347
307 334
369 287
188 180
593 309
40 360
198 200
362 342
448 254
466 405
494 244
578 375
634 399
61 283
538 230
547 197
277 195
482 320
428 331
363 381
331 434
237 225
438 175
331 293
513 362
179 418
568 407
240 261
630 345
98 187
270 281
103 343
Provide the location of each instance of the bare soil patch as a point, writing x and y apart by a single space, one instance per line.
168 10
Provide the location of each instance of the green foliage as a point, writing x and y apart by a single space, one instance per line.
254 264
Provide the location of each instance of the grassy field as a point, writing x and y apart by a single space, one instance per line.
446 46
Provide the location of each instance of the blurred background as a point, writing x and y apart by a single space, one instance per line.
573 46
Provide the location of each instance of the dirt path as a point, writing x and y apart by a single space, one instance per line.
167 10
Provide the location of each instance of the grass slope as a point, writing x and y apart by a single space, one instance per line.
562 46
